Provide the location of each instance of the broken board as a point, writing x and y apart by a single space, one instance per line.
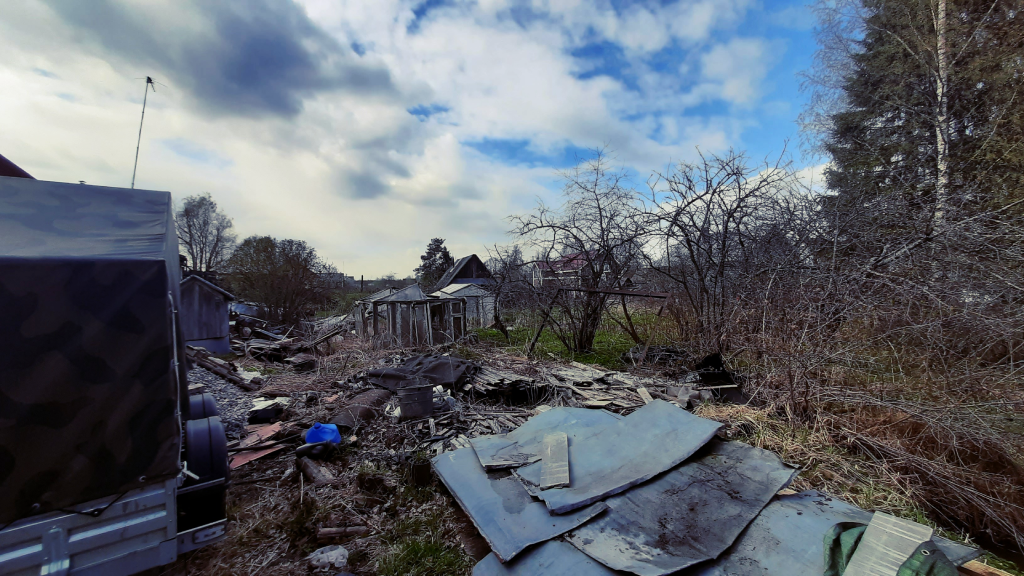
887 543
555 461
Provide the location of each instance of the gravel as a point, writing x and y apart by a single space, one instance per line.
233 403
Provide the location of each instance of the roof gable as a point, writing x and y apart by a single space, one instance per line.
209 285
471 264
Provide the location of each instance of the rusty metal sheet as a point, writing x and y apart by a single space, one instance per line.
613 458
502 510
688 515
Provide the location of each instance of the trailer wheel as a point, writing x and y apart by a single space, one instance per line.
202 406
206 455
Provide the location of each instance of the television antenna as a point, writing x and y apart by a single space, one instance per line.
153 83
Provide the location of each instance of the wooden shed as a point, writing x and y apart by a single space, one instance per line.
204 315
470 279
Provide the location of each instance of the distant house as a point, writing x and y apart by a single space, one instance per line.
469 278
564 271
204 315
336 280
466 270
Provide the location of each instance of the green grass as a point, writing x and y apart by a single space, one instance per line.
423 556
417 546
609 345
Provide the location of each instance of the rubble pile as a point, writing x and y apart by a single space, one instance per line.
560 468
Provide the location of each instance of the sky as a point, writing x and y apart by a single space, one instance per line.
368 127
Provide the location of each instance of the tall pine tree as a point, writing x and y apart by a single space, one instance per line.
918 104
434 263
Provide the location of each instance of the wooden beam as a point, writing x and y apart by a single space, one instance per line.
975 568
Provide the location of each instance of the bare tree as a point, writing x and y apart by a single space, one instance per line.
591 242
717 226
204 233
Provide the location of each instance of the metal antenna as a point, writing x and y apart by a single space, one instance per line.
149 82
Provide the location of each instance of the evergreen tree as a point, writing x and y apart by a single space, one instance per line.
434 263
918 105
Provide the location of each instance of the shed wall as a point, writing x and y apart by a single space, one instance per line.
204 313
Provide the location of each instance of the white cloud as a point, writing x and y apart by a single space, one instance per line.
353 173
735 68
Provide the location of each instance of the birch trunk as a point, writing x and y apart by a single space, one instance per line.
941 119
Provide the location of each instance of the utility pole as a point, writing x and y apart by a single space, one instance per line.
149 82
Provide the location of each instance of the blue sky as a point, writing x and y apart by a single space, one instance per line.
367 127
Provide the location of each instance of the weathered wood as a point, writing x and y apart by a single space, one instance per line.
644 395
975 568
316 473
555 461
325 535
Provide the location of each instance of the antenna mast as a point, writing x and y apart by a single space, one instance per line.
149 82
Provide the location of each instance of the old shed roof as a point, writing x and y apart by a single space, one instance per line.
209 285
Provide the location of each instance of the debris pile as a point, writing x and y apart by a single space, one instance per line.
655 492
561 468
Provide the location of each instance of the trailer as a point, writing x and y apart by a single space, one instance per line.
107 465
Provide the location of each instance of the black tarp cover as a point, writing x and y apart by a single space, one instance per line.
88 390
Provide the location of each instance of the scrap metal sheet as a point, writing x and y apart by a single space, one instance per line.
690 514
788 538
524 444
502 510
613 458
554 558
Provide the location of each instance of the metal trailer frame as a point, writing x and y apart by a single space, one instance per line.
113 535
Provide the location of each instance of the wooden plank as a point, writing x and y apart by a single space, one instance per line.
555 461
240 458
976 568
644 395
887 543
433 427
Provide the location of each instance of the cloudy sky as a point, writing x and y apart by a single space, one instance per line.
367 127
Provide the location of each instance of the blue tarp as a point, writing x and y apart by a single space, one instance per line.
611 459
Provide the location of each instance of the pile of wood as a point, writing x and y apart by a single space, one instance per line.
489 380
227 370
